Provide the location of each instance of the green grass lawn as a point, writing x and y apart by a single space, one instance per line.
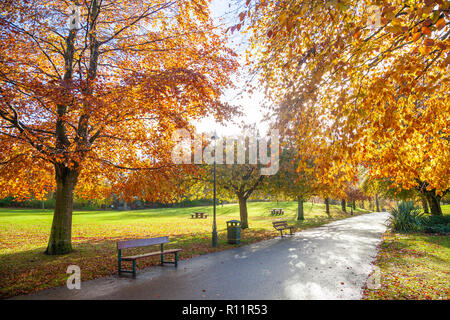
446 209
414 266
24 233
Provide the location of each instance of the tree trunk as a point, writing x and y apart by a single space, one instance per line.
377 203
300 209
327 206
243 212
60 241
424 204
343 205
434 203
354 204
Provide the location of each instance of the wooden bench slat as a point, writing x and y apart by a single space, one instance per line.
156 253
282 225
141 242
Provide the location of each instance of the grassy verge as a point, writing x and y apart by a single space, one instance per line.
24 235
413 266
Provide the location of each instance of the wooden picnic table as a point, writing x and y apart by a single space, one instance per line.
277 211
199 215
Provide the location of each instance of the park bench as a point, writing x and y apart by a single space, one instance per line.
282 225
199 215
277 211
121 245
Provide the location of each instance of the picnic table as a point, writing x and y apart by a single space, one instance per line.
277 211
199 215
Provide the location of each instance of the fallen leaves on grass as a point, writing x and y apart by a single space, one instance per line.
413 267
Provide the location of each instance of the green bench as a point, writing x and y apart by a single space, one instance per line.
121 245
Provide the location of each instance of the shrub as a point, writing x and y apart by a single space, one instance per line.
436 224
406 218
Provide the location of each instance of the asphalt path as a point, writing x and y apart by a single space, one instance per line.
333 261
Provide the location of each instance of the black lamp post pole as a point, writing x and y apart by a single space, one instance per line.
214 232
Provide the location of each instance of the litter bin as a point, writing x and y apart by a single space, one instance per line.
234 231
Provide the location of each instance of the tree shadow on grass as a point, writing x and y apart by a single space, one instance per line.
32 270
403 247
437 239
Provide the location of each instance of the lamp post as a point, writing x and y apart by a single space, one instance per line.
214 231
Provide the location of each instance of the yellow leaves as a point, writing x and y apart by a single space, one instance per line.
397 22
395 29
425 50
354 96
282 18
416 36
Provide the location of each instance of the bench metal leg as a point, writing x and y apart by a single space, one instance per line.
119 262
174 262
119 265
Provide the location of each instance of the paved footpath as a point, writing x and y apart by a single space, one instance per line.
328 262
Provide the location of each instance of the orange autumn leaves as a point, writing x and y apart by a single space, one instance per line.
354 95
105 99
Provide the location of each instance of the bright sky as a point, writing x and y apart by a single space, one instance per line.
251 104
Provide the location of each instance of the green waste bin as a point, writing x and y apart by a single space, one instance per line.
234 231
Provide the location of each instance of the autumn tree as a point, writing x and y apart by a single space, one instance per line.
354 193
92 108
385 188
327 191
243 163
291 183
239 181
360 83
